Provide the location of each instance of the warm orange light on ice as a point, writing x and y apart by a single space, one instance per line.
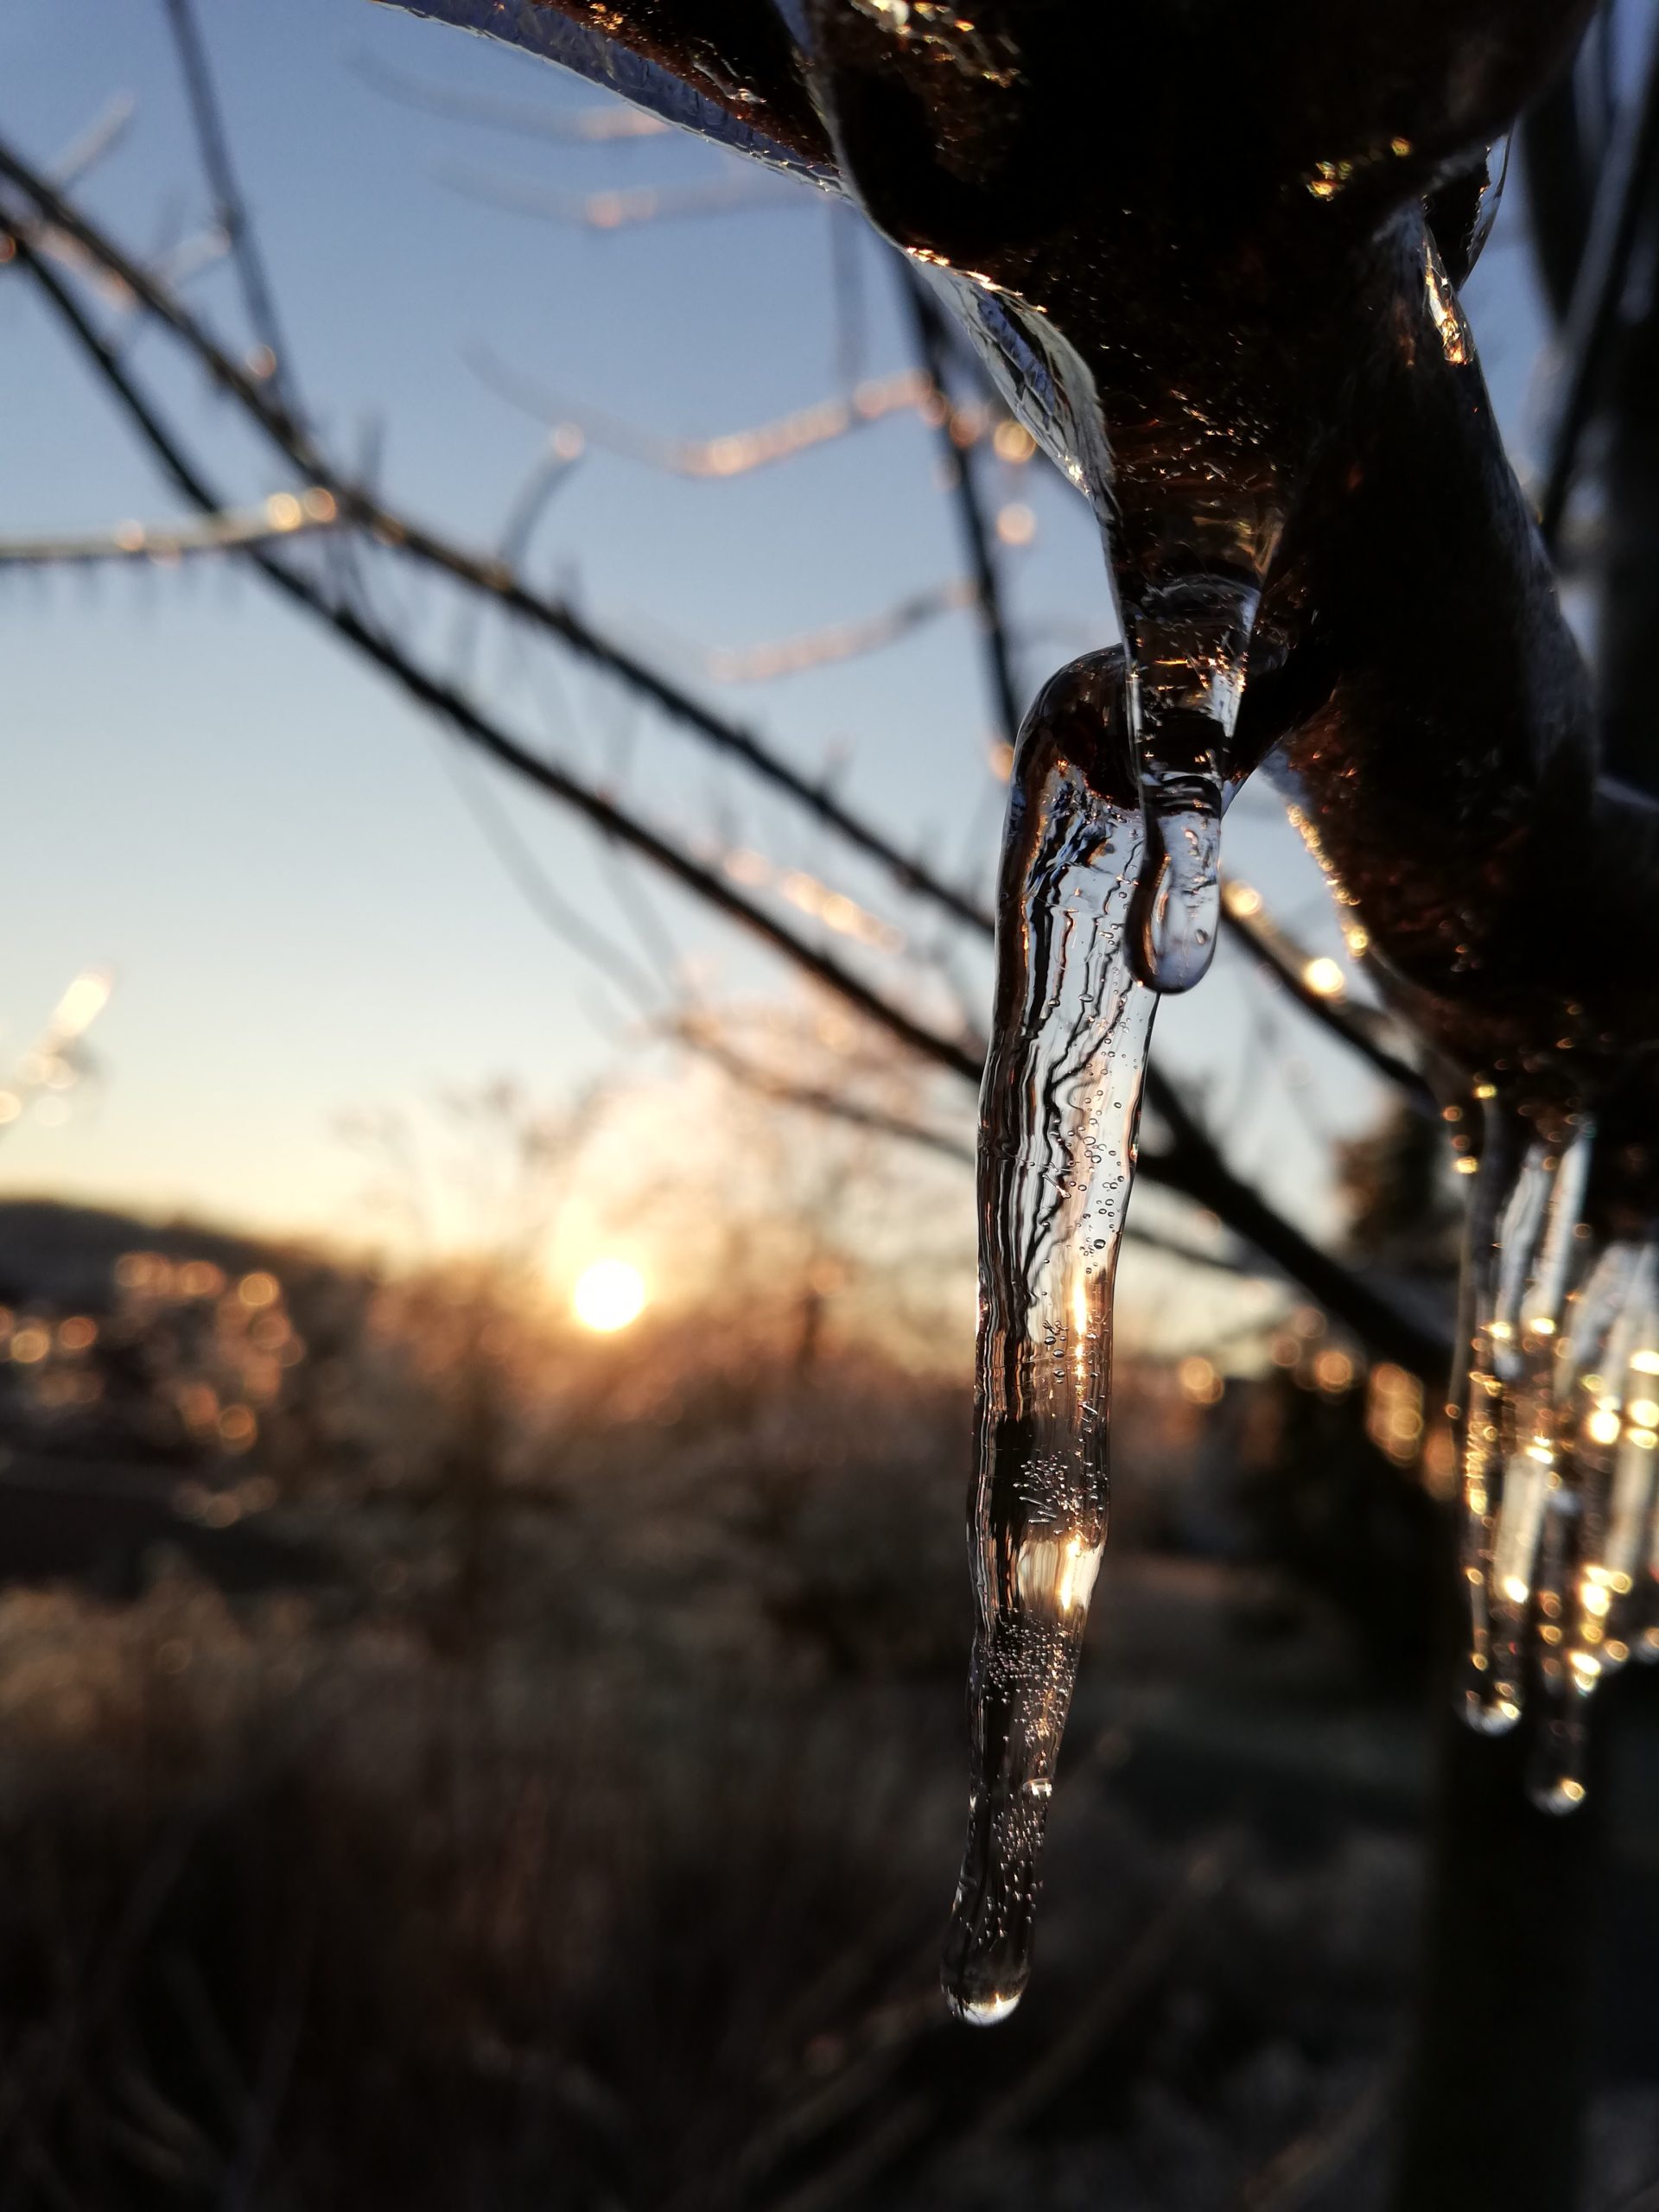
608 1296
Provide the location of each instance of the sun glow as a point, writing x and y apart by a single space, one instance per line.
608 1296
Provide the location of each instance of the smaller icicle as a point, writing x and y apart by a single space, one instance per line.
1536 1249
1614 1411
1560 1450
1481 1423
1058 1113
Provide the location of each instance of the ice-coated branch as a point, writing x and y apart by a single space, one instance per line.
732 453
837 641
284 515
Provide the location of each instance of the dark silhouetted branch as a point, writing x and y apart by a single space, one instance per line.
1363 1031
971 513
1592 318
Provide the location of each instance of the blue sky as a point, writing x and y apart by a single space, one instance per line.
268 846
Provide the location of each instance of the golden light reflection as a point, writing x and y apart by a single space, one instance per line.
608 1296
1057 1573
1455 341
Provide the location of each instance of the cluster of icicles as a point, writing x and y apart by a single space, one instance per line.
1106 900
1560 1450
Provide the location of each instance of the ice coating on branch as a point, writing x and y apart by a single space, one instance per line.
1058 1112
1561 1543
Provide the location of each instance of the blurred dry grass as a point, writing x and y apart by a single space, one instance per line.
556 1805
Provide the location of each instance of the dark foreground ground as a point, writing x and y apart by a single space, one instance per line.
375 1831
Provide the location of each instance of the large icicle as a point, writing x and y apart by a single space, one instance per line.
1058 1113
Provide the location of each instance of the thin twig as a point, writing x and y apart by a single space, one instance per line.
101 135
698 1034
231 208
975 537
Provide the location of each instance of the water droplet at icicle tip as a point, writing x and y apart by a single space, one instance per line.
1058 1113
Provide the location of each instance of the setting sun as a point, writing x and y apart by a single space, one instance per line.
608 1296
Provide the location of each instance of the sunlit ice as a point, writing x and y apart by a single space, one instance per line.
609 1295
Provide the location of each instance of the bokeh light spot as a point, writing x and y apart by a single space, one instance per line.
609 1296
